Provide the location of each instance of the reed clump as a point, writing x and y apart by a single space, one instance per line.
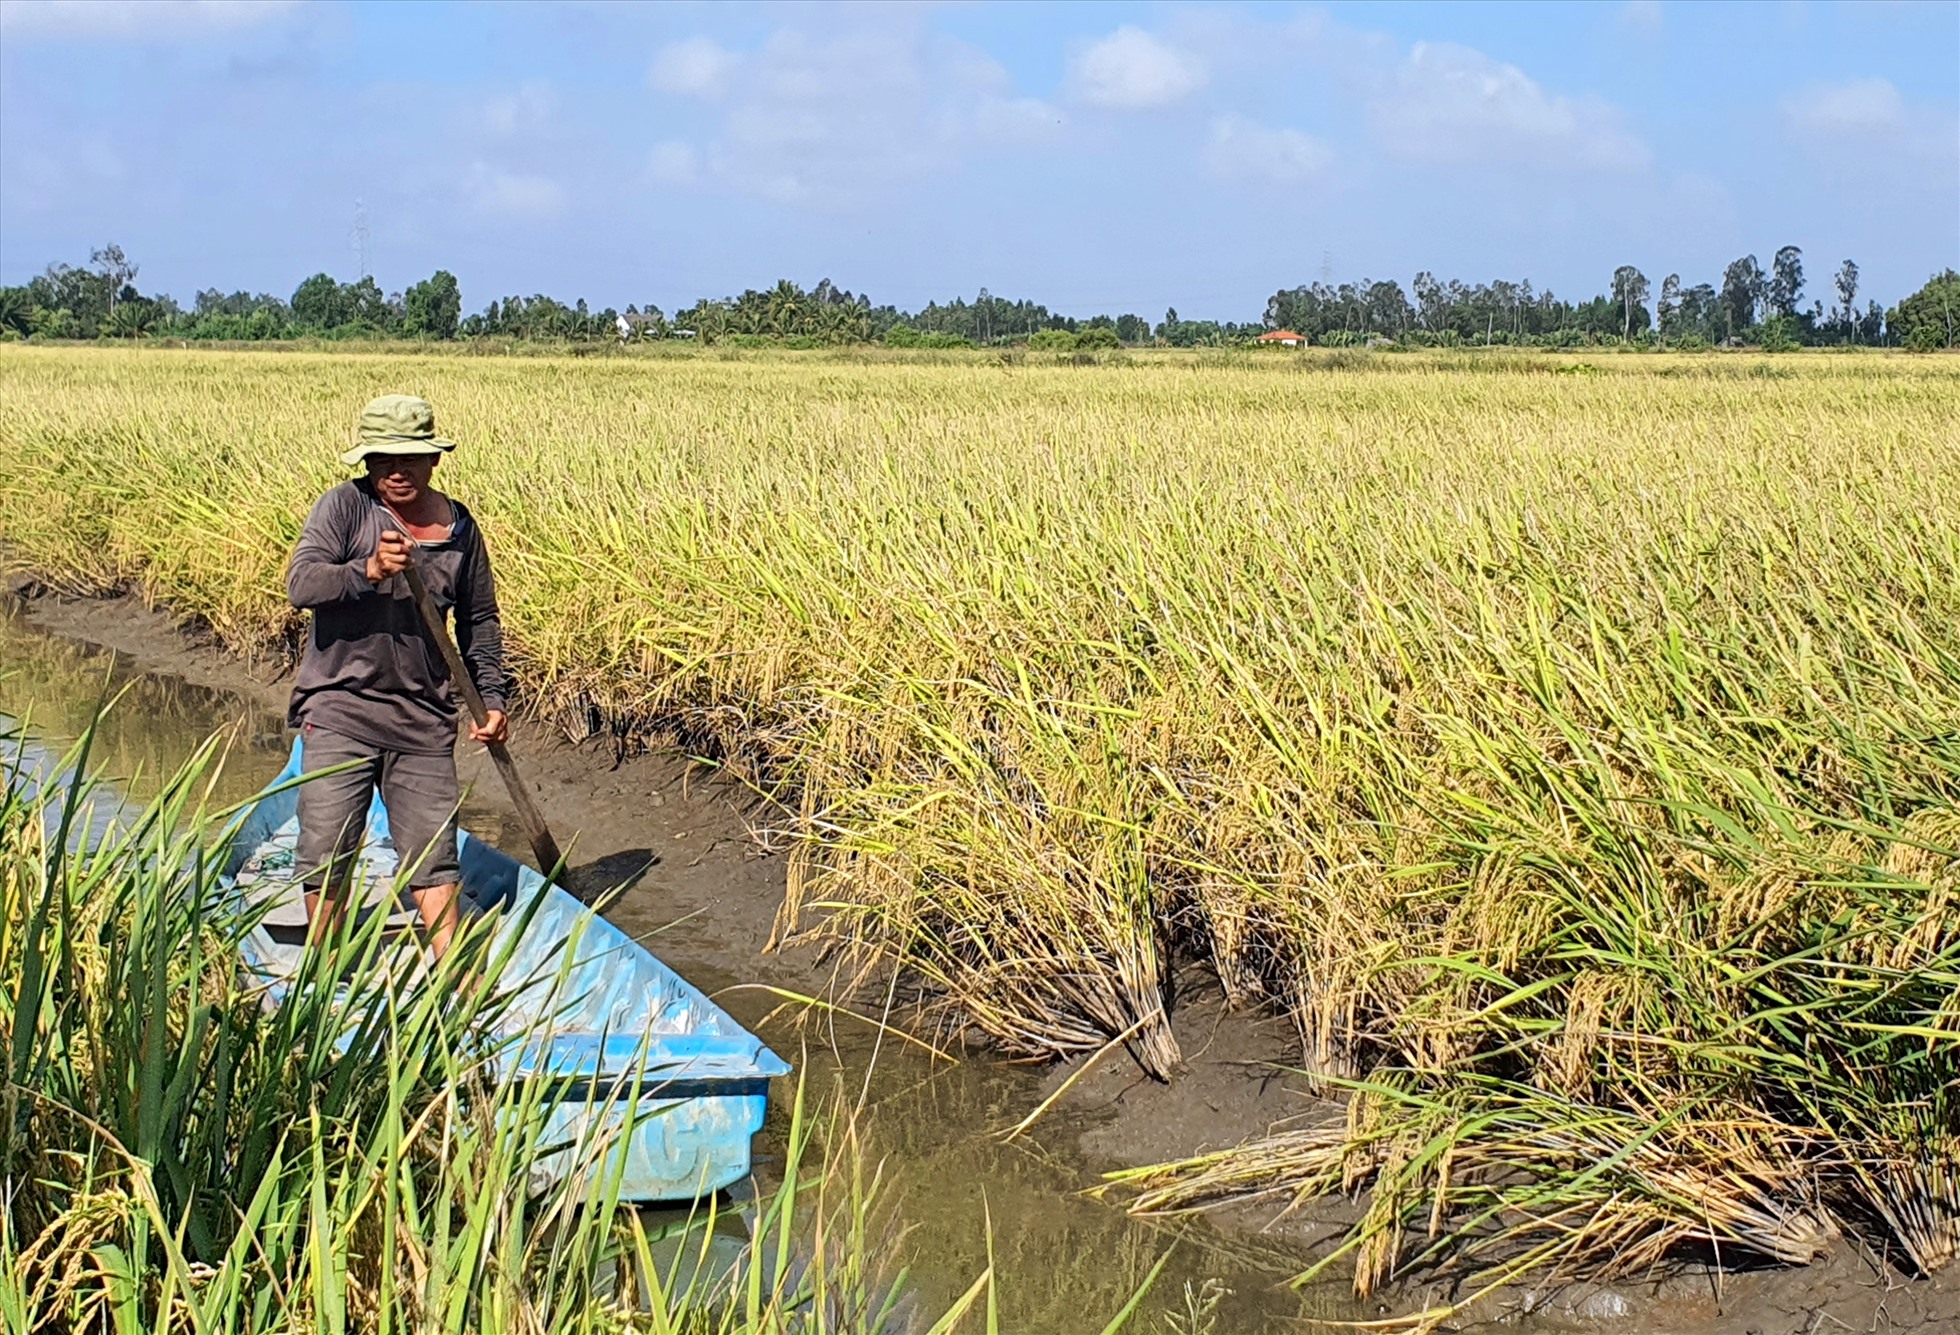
1572 758
179 1155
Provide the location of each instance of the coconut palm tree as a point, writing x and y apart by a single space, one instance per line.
785 309
132 319
15 309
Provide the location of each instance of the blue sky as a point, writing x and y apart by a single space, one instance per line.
1101 157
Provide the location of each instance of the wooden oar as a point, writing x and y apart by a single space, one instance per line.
542 844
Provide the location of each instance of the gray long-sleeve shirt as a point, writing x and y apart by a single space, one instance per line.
371 670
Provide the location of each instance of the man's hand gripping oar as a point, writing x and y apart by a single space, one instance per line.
543 846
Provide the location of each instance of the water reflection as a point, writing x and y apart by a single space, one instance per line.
56 686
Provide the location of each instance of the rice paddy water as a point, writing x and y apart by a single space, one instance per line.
1568 748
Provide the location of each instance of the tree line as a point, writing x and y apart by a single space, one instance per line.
1754 305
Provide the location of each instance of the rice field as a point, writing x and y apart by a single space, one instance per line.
1569 749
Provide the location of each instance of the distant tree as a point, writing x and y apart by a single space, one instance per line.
1742 292
16 309
784 308
1871 326
320 303
1630 290
1700 312
81 294
1768 308
1669 306
839 319
1786 281
134 318
368 306
1930 317
116 270
1432 301
211 302
59 322
1846 283
707 320
433 308
1292 308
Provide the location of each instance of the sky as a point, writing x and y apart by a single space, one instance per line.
1097 158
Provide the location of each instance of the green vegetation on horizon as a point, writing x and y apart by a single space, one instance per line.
1757 307
1571 759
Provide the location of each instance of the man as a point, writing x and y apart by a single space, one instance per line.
372 685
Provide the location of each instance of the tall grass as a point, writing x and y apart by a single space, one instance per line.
179 1156
1573 759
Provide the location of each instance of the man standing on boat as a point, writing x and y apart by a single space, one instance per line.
372 686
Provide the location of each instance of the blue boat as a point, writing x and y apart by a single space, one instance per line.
628 1047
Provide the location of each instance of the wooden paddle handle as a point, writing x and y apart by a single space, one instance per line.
542 844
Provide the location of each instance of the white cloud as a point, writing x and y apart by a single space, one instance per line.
695 67
1456 106
839 118
1130 70
521 110
674 163
1858 107
1862 126
1243 149
514 194
136 18
1646 17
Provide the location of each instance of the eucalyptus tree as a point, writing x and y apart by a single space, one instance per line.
1742 294
1388 308
1786 281
1630 288
1432 301
116 269
1846 283
1668 307
1700 305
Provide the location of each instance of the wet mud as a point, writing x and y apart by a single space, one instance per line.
699 886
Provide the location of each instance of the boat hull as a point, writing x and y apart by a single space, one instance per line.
631 1055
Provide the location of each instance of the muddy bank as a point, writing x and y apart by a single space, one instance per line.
687 846
705 889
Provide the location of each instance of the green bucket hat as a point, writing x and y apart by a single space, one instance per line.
396 424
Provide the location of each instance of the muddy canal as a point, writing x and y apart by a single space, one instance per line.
1066 1263
702 893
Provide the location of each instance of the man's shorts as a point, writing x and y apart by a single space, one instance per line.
420 792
